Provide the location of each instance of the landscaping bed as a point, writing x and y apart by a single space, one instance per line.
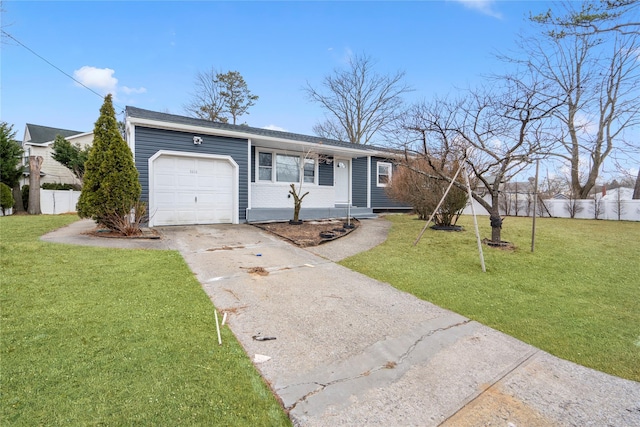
310 233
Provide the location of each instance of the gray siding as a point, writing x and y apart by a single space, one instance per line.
325 174
359 182
149 141
379 199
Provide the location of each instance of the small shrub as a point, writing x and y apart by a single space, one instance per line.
60 186
6 198
413 183
129 224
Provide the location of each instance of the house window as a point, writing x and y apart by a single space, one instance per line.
284 168
309 170
384 174
287 168
265 166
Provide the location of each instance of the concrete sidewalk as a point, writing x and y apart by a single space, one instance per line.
350 350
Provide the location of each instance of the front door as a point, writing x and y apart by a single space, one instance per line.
342 184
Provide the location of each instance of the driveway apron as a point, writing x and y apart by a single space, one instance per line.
349 350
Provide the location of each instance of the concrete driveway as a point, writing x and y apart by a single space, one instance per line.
352 351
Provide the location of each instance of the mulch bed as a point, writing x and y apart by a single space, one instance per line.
146 233
309 233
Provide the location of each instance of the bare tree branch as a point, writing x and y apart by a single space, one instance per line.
359 100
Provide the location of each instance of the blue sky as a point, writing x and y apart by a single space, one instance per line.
149 52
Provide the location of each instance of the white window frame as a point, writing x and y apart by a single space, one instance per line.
258 166
390 169
274 166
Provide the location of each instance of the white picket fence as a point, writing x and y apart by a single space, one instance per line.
609 209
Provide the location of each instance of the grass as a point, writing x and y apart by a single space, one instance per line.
577 296
94 336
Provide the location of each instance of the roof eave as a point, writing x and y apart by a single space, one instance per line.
302 145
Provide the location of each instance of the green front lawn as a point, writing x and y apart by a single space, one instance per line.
577 296
93 336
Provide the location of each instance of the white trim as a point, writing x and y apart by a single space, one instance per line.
78 135
378 164
246 135
130 132
236 174
249 144
274 179
368 181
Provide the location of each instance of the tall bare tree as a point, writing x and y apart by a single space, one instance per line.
358 101
590 57
206 102
499 130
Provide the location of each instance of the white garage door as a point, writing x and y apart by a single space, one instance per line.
191 190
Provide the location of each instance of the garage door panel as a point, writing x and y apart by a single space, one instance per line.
192 190
186 181
207 183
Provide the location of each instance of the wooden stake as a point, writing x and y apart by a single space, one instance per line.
475 220
438 207
218 327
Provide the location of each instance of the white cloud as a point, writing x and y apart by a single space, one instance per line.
130 90
483 6
274 127
100 79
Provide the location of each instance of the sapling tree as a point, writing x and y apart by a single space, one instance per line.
306 165
496 131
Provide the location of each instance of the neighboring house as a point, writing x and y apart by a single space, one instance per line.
196 171
620 193
38 141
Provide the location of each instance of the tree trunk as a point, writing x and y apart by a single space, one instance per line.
18 206
494 217
636 190
35 162
496 227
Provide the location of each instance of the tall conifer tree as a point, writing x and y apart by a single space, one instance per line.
111 183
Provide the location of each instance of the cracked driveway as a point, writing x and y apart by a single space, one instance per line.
350 350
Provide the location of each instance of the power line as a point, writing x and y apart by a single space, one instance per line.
54 66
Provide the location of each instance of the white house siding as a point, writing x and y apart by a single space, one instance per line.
265 195
54 171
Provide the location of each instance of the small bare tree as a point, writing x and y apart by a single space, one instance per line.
573 205
597 206
306 162
619 207
499 129
359 102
